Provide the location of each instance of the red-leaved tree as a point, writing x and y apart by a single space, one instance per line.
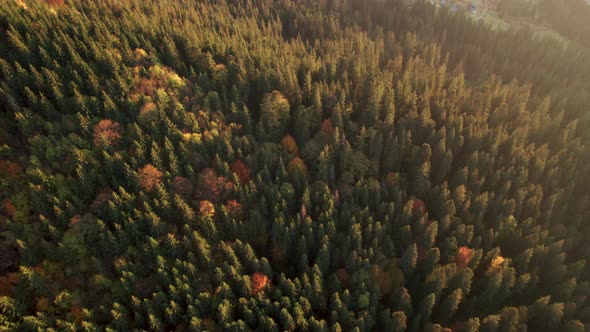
210 186
75 220
242 171
259 282
182 186
207 184
327 127
8 207
418 207
9 168
101 200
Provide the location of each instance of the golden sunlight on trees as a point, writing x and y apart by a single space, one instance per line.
206 208
274 115
264 165
496 263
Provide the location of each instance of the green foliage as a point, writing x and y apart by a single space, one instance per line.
289 165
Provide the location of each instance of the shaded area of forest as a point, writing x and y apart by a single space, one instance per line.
289 165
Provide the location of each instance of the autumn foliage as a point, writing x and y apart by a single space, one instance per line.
206 208
55 3
289 145
147 112
242 171
106 133
207 184
9 168
42 304
496 263
182 186
297 165
234 208
101 200
259 282
149 177
75 220
392 178
464 255
167 188
343 277
327 127
77 313
303 211
385 278
418 207
210 186
7 282
8 207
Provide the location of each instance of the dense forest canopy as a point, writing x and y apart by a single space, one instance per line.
335 165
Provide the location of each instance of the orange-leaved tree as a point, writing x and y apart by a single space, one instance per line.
149 177
297 165
55 3
206 208
259 282
290 146
234 208
463 256
106 133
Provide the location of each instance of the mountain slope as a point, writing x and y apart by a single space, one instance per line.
295 165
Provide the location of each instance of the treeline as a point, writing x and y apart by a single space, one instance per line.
293 165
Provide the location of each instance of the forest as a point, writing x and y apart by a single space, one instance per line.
567 17
292 165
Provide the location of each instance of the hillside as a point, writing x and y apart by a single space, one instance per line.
563 20
361 165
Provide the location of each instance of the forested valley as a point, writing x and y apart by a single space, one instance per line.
292 165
